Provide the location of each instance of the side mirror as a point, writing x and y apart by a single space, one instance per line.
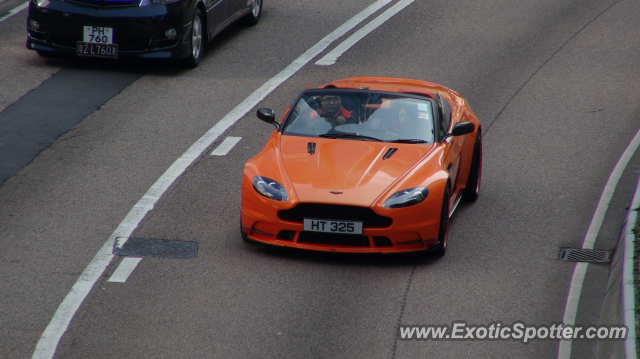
459 129
267 115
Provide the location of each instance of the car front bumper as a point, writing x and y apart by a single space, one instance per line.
410 231
137 30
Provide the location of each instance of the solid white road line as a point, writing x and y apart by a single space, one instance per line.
50 338
628 286
124 270
332 57
575 289
14 11
226 146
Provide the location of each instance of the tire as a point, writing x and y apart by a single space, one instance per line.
443 232
255 11
472 188
197 40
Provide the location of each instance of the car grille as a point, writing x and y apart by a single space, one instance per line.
367 216
382 242
348 240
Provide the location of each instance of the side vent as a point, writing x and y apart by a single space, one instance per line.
389 153
311 148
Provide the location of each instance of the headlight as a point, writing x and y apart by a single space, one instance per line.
406 197
269 188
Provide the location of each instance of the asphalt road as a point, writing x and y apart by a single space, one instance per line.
554 84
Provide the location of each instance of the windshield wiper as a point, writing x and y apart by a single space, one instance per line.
348 135
409 140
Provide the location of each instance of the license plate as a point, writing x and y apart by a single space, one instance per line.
98 35
92 49
328 226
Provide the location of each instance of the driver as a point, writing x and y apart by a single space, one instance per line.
333 112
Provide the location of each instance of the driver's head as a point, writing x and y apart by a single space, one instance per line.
331 104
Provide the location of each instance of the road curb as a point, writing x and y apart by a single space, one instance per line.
619 302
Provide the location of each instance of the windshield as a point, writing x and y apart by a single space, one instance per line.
362 115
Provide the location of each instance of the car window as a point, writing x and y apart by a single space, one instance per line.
387 117
446 110
444 116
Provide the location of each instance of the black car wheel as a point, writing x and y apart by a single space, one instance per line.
472 188
253 16
443 232
197 39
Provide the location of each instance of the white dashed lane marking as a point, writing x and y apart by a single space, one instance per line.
124 270
226 146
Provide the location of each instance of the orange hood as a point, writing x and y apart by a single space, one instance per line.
353 167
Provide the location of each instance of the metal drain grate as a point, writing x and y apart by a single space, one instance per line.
161 248
584 255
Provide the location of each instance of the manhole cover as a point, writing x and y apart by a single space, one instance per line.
161 248
584 255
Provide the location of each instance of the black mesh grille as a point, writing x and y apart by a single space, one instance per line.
367 216
333 239
286 235
382 242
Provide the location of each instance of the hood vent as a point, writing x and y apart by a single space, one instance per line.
311 148
389 153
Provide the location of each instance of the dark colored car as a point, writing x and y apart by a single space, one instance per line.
176 29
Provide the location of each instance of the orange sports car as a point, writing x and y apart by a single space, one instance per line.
366 165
